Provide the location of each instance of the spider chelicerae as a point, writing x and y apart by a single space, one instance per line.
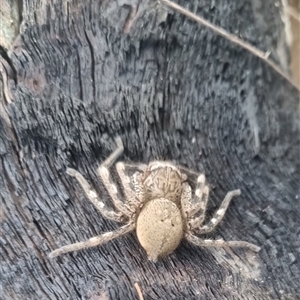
159 204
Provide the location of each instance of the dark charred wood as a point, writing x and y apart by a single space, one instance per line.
81 73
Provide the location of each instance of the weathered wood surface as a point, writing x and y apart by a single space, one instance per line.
172 90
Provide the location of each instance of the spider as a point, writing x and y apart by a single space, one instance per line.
159 204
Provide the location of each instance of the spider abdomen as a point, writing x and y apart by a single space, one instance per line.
159 227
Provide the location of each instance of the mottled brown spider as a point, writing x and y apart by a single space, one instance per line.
159 204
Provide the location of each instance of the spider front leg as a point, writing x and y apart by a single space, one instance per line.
92 196
131 188
94 241
112 189
196 204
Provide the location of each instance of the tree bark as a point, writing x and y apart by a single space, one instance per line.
81 73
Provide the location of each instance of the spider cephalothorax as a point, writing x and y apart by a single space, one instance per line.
159 203
162 180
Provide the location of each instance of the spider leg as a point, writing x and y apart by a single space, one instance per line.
200 197
131 188
92 196
219 214
188 171
198 203
220 243
186 197
94 241
104 174
115 155
139 167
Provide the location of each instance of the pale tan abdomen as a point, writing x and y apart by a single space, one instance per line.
159 227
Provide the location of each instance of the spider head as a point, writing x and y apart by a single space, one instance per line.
163 180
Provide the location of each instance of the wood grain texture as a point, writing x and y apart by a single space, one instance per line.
172 90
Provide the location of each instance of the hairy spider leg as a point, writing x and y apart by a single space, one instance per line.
198 204
107 181
200 197
94 241
220 243
188 172
93 197
185 200
115 155
130 190
139 167
219 214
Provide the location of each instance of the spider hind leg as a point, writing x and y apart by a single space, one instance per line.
94 241
220 243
